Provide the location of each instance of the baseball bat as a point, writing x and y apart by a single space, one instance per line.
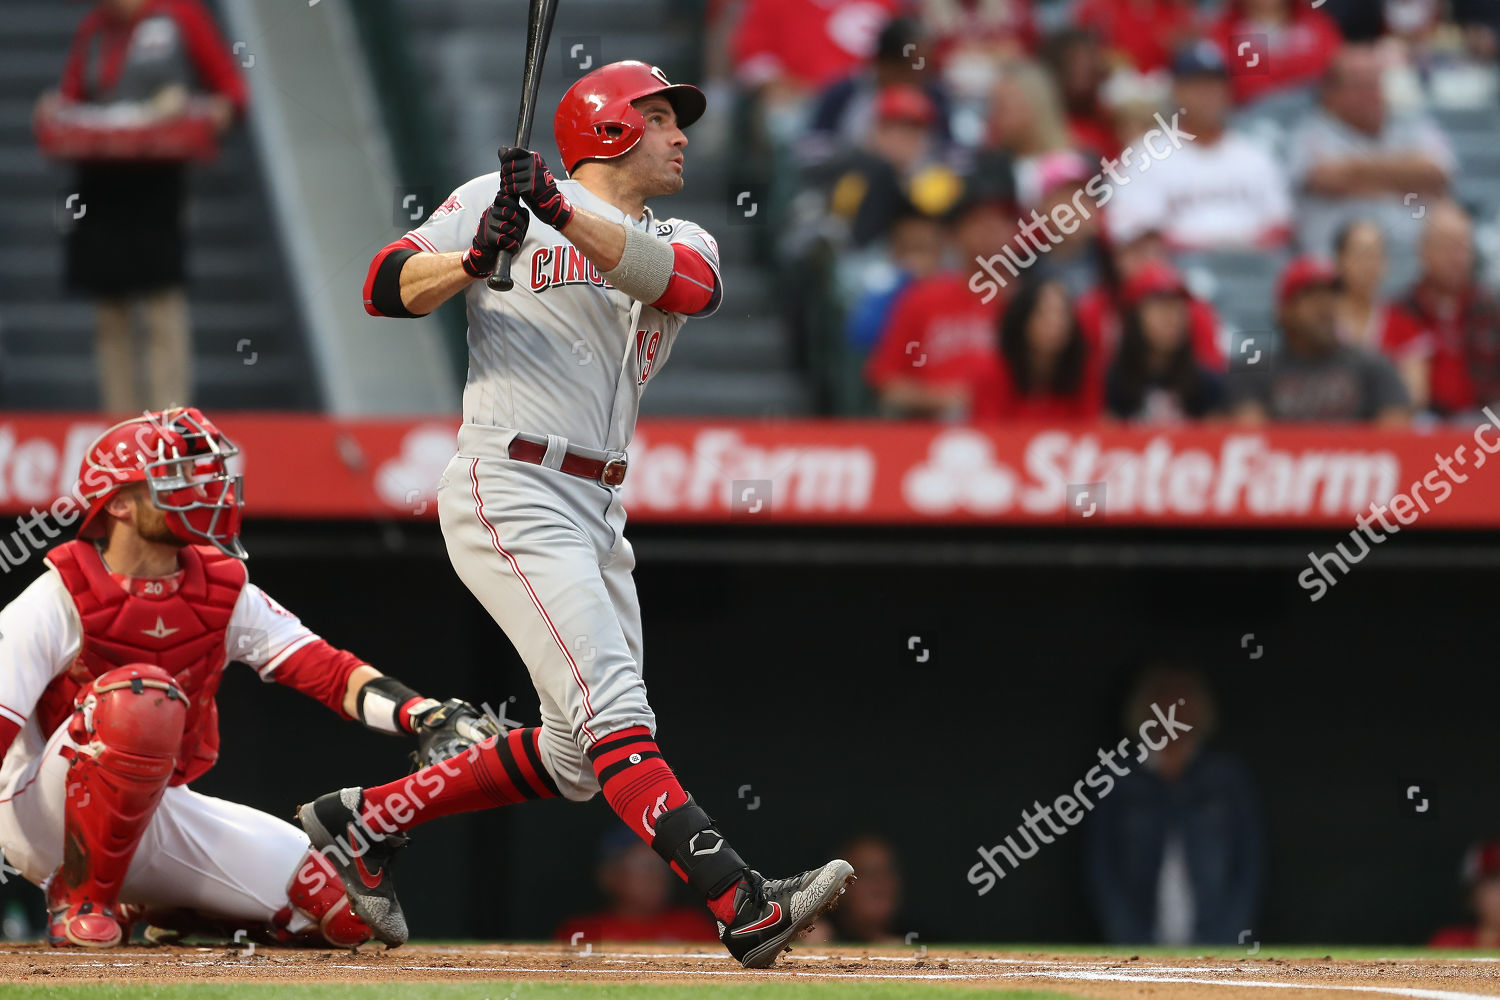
538 30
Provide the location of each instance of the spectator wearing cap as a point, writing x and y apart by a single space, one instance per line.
1447 327
895 163
1352 159
1275 46
1141 33
936 357
1156 378
1101 312
844 111
1078 258
785 51
1076 61
1221 189
1311 376
1481 881
1047 370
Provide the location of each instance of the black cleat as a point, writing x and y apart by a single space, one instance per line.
769 913
362 857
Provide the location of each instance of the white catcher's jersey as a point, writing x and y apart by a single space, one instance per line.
42 636
563 352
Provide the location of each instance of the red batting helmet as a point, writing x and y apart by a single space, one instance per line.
183 458
595 119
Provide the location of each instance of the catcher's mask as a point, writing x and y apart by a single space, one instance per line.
183 460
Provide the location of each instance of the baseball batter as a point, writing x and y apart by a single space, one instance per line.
530 506
109 664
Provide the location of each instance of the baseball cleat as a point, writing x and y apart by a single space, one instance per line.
769 913
363 858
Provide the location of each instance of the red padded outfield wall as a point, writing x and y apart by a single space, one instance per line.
855 472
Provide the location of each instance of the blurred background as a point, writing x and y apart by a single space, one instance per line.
1061 340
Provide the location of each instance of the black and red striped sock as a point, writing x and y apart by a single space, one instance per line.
639 786
500 771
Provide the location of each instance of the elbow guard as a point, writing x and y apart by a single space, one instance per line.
383 281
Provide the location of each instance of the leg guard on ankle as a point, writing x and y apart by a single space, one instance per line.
686 836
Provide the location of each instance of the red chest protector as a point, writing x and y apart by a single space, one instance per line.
182 632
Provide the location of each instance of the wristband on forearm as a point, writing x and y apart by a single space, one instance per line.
645 267
388 706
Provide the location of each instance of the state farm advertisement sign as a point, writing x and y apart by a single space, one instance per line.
847 471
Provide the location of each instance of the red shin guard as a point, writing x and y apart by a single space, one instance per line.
128 726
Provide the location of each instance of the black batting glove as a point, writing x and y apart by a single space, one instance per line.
503 227
524 175
448 730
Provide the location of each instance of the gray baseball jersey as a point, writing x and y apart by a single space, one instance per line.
564 352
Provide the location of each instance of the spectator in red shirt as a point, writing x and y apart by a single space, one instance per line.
1141 33
1047 371
973 34
1101 312
1156 378
1076 61
1448 327
936 354
128 248
1275 45
1481 879
785 51
639 892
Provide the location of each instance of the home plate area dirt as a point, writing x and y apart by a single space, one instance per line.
1078 975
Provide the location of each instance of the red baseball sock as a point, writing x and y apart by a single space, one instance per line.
639 787
498 772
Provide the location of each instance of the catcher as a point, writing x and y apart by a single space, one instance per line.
109 662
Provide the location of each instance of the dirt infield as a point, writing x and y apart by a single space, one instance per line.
1082 975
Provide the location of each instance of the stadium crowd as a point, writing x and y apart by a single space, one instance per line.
1300 250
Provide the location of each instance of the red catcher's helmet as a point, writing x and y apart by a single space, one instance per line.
595 120
183 458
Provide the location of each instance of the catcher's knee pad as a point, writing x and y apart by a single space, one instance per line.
137 709
128 725
316 892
